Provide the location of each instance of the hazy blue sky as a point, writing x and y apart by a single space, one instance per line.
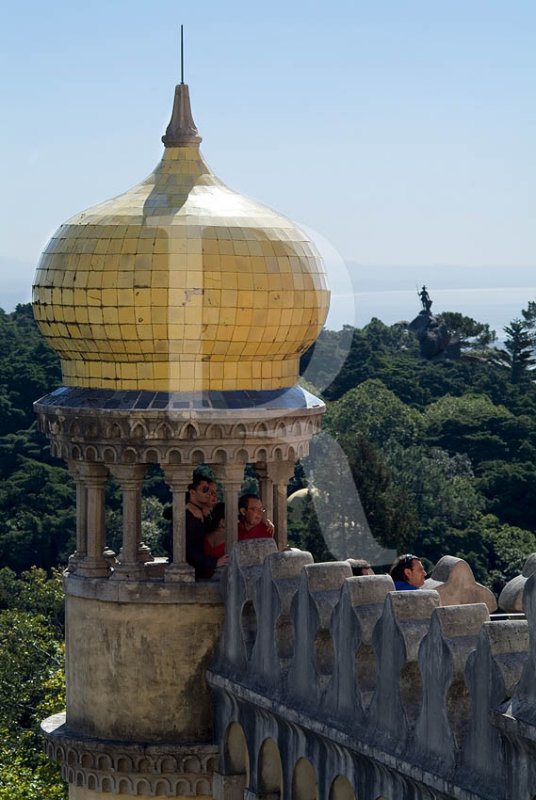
403 131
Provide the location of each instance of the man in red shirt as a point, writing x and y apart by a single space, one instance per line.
252 524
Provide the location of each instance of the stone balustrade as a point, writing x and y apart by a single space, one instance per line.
410 696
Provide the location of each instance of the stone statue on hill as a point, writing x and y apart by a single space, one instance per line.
435 339
425 299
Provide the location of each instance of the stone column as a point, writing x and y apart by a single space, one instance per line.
266 488
130 479
232 477
93 481
81 519
280 472
178 477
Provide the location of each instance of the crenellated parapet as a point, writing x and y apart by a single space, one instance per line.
409 697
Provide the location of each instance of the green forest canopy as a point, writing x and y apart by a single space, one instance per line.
442 453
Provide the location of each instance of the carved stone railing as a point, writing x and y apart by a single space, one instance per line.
436 697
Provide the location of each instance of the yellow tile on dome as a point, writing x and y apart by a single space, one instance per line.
229 297
145 332
145 371
125 297
129 333
160 279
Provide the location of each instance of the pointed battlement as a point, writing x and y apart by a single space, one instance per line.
391 688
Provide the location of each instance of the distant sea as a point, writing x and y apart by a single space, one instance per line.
494 295
497 307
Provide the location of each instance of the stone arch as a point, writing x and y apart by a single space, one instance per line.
124 786
86 761
109 456
304 783
341 789
248 624
242 457
79 779
91 454
174 457
277 454
284 637
281 430
138 431
261 455
107 784
92 431
104 762
236 756
74 429
197 457
144 765
411 690
219 456
291 454
191 764
115 431
130 456
152 456
189 431
239 431
76 453
214 432
92 782
269 771
366 672
72 757
162 788
324 652
164 431
124 764
202 787
167 764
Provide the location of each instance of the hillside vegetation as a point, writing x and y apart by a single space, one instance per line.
442 453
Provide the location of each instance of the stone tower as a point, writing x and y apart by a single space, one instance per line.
179 311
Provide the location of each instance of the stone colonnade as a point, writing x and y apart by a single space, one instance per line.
91 558
107 434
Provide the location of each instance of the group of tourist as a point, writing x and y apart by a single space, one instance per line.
205 535
407 571
205 525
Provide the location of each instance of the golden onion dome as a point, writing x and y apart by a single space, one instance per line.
180 284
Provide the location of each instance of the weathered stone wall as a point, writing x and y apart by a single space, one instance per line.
337 687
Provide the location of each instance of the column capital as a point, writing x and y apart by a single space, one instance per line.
179 475
126 473
92 472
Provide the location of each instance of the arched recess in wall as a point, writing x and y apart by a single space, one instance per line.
341 789
235 754
304 783
269 772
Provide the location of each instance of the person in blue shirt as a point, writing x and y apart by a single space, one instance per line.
407 572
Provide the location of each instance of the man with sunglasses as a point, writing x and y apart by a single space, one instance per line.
202 496
407 572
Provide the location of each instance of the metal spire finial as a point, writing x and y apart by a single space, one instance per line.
182 55
181 130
